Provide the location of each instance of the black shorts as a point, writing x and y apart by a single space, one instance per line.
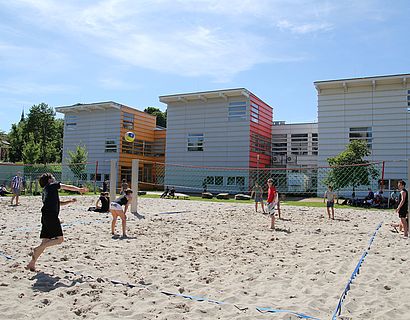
50 227
403 213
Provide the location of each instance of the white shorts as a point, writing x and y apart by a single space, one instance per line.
271 208
115 206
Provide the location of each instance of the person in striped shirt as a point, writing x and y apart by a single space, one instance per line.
16 187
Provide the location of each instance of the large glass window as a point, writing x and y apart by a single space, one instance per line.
217 181
128 120
361 133
299 143
196 142
260 144
235 181
279 144
254 112
237 111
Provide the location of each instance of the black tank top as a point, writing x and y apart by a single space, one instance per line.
122 201
405 206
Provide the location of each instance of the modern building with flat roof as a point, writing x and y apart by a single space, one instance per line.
101 127
373 109
223 128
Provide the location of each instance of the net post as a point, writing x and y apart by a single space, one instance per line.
408 183
95 176
113 179
134 185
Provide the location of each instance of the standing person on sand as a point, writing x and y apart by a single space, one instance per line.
257 190
51 232
16 186
330 197
402 208
272 202
116 211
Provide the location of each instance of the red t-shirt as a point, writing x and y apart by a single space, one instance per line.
271 194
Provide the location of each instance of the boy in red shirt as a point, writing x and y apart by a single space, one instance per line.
272 202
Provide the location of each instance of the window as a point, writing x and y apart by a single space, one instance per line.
299 143
236 181
279 144
110 145
254 112
315 143
106 176
159 148
128 120
196 142
237 111
70 122
408 100
217 181
361 133
260 144
138 147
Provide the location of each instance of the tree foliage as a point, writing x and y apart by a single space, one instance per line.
77 161
37 137
161 116
344 175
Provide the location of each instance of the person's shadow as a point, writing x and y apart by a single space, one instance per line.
46 282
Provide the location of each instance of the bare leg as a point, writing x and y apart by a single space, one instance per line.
114 220
263 208
328 212
278 207
17 200
12 199
124 224
333 213
272 222
37 251
405 226
256 206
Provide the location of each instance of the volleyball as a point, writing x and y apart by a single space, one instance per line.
129 136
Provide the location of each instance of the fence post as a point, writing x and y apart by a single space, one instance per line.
95 177
113 180
408 181
134 184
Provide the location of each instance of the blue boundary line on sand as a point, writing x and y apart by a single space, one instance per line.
355 272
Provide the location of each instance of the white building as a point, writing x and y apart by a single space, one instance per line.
375 109
294 144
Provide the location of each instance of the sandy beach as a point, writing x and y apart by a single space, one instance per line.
223 252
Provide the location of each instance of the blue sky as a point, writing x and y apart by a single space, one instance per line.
131 52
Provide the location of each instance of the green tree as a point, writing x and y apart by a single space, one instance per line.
31 151
344 175
17 141
161 116
77 161
41 123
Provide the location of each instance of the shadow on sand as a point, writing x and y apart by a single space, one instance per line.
46 282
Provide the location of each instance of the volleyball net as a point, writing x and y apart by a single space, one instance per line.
306 181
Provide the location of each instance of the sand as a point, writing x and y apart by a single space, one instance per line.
220 251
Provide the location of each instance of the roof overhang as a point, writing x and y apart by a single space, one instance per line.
205 95
402 79
89 107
